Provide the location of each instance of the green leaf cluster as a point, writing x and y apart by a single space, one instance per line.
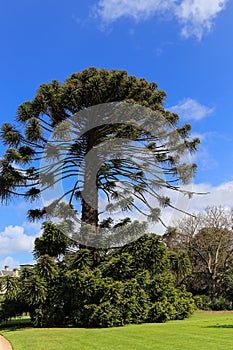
132 284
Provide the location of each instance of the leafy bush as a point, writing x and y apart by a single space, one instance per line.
133 284
220 304
202 302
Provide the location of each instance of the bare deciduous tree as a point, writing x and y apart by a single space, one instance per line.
208 239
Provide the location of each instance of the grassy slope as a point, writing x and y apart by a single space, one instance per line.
203 331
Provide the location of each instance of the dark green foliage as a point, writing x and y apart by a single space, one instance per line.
53 242
119 267
168 302
133 284
228 286
81 260
202 302
149 253
102 302
46 268
220 303
180 265
121 303
12 304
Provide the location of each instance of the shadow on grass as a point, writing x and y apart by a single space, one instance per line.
13 325
221 326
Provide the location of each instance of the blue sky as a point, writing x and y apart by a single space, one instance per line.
185 46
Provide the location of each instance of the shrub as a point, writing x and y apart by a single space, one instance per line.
131 285
220 304
202 302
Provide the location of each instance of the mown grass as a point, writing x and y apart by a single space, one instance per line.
203 331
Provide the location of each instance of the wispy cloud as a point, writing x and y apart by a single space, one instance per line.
13 239
195 16
190 109
212 196
221 194
9 261
111 10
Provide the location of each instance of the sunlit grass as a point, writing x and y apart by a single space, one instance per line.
203 331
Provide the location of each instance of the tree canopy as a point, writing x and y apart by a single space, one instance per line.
152 145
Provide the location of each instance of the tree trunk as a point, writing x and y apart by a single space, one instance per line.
90 203
90 214
90 186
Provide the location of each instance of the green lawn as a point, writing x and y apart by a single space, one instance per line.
203 331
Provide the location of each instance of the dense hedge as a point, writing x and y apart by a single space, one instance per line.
131 285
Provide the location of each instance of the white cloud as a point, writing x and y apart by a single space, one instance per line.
212 196
195 16
217 195
111 10
206 195
190 109
13 239
9 261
